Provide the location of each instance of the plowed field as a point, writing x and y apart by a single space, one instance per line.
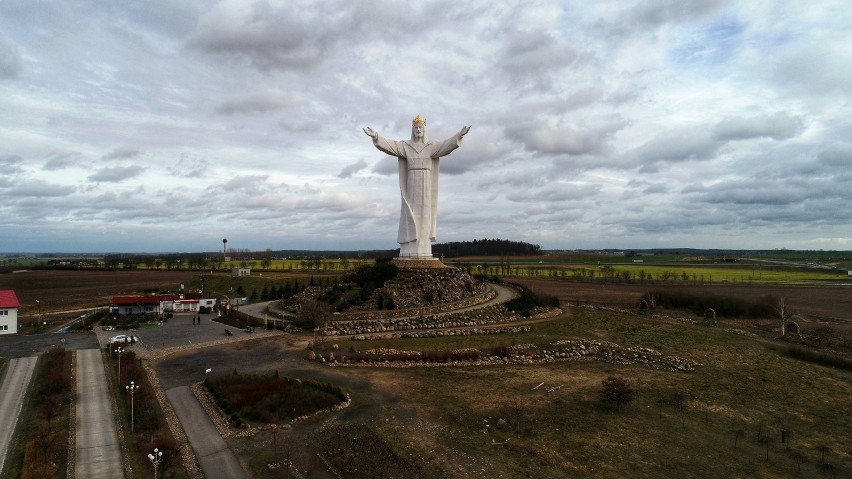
61 290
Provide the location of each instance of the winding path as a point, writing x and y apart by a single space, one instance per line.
504 294
216 459
12 390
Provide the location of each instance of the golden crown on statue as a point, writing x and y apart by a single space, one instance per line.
418 120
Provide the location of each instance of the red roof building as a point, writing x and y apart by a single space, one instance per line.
8 299
135 304
9 305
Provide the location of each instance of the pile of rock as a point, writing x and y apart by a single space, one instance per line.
421 326
563 350
485 296
424 287
412 292
463 332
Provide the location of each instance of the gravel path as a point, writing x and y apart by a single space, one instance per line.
12 390
98 453
216 459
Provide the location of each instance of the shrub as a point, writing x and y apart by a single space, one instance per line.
501 351
823 358
527 301
372 276
724 306
616 390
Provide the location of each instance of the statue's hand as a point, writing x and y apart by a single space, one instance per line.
464 131
369 131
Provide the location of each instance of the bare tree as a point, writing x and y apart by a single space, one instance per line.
516 407
782 308
317 315
785 314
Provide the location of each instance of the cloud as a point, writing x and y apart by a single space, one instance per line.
258 102
60 161
386 166
11 165
667 11
675 146
121 154
245 183
350 170
556 194
817 68
39 189
563 139
836 155
268 36
188 165
530 58
10 59
115 174
779 126
704 123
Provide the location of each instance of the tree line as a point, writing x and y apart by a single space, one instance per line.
486 247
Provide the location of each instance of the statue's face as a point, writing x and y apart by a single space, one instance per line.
419 131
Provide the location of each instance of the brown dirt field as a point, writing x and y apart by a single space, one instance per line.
62 290
815 302
818 306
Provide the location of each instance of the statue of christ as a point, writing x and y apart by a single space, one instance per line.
418 185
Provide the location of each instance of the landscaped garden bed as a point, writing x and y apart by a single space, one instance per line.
272 399
355 450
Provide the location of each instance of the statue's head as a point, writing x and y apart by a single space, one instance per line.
418 128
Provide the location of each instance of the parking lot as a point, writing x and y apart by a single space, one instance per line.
177 331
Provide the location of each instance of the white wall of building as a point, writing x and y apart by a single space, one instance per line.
8 320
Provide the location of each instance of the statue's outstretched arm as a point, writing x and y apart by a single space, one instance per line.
463 131
370 132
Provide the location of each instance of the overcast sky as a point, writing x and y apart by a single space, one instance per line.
157 125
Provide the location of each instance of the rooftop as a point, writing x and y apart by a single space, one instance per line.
8 299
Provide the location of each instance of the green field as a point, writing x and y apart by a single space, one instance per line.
701 273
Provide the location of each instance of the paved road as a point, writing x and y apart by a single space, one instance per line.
12 391
20 345
98 454
217 461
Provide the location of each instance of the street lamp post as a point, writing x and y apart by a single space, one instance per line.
155 459
119 350
132 389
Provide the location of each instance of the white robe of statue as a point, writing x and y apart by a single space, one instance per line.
418 186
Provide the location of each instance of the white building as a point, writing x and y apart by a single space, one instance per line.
9 306
237 272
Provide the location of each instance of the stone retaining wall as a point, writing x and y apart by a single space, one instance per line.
442 333
563 350
489 315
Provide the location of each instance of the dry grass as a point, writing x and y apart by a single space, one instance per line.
742 385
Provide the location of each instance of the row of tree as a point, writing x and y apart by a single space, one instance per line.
486 247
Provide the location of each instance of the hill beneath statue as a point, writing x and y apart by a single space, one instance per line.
388 290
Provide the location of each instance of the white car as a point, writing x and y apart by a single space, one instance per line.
123 339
